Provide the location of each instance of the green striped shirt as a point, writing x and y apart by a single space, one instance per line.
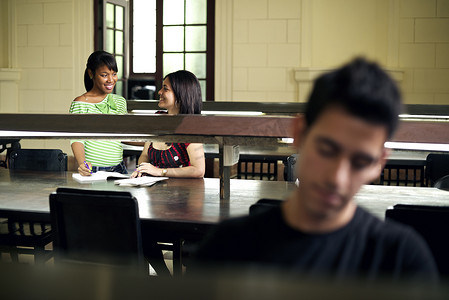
101 153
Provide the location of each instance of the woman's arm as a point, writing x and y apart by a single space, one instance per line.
78 152
196 169
143 158
197 166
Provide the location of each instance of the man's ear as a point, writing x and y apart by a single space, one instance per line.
298 130
384 157
381 163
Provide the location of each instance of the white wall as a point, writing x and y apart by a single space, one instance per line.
270 50
50 41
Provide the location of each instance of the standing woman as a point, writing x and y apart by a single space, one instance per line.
180 94
100 78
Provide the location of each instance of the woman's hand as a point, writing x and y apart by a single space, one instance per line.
84 170
146 168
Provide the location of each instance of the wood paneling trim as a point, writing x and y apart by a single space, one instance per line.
201 126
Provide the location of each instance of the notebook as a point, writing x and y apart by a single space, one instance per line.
98 176
139 181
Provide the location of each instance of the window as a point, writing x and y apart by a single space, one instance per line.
165 36
143 37
115 38
184 31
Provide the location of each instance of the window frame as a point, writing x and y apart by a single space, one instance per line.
100 34
157 77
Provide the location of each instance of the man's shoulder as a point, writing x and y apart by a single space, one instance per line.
374 226
389 233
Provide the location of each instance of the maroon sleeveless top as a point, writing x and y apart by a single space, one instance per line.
174 157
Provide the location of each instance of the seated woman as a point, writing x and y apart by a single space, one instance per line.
180 94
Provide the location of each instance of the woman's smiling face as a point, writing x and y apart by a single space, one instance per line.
167 98
104 79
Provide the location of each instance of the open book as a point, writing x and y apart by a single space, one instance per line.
139 181
98 176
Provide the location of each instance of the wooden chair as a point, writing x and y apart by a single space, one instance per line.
290 168
97 228
8 145
432 222
257 169
443 183
400 175
263 204
437 166
22 234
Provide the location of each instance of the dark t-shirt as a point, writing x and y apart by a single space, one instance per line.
366 247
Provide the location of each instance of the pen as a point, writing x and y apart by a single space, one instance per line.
87 166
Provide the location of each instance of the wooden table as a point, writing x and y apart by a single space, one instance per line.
377 198
178 209
194 200
172 210
191 204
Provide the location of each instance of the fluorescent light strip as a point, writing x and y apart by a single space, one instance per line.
402 146
207 112
405 116
417 146
236 113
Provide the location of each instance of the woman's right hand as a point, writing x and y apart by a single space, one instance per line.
84 171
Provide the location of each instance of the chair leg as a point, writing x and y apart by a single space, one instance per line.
14 255
177 259
39 255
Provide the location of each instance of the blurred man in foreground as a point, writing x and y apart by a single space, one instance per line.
319 230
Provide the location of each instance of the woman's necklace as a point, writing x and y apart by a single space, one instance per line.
94 98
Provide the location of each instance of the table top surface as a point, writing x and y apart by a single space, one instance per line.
193 200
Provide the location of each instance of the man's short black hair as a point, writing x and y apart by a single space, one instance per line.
363 89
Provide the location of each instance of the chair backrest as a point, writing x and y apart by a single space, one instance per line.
437 166
290 168
257 169
263 204
96 227
432 222
38 159
443 183
8 145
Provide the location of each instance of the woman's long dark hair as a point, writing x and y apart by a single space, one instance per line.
187 90
96 60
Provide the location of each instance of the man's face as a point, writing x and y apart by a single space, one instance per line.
337 155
